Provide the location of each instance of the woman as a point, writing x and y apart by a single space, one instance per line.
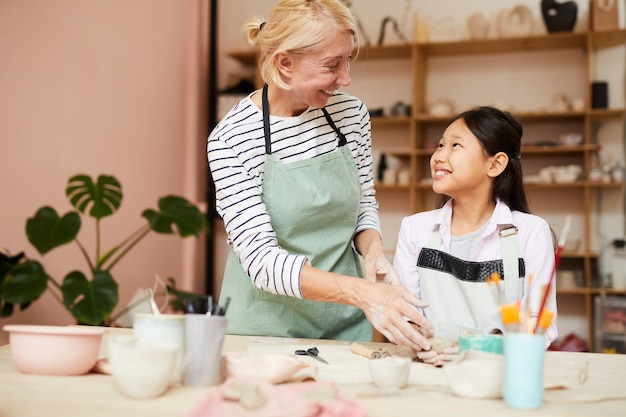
292 168
447 255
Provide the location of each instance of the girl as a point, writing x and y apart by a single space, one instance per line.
445 256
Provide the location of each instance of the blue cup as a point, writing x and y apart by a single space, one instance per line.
523 370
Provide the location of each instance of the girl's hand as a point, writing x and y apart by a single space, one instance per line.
439 359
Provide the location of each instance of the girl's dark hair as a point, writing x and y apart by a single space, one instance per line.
499 131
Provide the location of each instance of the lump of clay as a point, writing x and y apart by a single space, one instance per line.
439 344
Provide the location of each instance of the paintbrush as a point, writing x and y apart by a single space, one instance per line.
510 316
557 259
544 321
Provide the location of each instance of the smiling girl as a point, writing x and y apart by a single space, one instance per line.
445 256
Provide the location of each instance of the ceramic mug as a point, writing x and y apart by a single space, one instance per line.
204 337
141 368
169 328
390 373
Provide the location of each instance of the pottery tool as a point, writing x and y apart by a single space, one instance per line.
159 281
369 353
557 259
153 305
209 310
226 303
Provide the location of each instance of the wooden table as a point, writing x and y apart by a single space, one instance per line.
602 394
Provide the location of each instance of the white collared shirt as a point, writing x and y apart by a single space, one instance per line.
535 242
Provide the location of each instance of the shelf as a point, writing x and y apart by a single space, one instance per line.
606 114
390 121
579 255
522 44
572 290
537 150
384 52
538 116
609 291
559 40
607 39
558 149
574 184
366 53
613 337
587 291
551 185
530 116
394 187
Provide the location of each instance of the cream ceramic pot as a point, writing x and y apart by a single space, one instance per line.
141 368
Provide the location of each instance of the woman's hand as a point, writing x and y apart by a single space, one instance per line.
375 264
389 308
380 269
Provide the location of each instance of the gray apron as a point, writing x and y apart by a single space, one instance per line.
459 298
314 205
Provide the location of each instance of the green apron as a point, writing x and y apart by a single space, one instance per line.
314 205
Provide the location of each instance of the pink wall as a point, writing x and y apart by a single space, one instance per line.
102 86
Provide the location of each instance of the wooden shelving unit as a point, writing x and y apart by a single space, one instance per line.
416 154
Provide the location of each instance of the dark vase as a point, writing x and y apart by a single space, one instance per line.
559 17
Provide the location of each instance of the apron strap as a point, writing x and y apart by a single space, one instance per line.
342 138
513 286
266 121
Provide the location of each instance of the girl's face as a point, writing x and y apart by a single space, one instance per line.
315 77
459 166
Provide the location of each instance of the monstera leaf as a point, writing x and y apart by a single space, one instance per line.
90 302
104 196
46 230
21 282
175 210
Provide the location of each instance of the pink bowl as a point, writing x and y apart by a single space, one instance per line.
54 350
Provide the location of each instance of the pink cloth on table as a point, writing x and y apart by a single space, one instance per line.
291 400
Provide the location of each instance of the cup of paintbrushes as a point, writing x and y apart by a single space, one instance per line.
523 369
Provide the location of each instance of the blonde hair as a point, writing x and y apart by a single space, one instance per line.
296 26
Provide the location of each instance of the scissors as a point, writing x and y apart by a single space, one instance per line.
312 352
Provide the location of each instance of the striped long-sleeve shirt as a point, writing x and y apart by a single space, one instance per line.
236 154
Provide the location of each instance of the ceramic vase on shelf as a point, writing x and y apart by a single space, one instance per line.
559 17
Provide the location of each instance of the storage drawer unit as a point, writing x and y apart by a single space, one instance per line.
610 324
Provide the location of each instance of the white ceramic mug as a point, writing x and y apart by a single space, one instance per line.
391 373
169 328
141 368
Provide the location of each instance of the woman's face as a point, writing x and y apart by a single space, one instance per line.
315 77
459 165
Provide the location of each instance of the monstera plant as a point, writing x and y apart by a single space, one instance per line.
90 298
